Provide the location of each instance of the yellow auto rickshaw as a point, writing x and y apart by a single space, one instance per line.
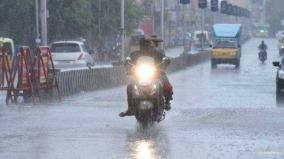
9 46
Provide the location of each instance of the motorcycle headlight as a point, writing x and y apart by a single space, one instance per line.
281 74
145 72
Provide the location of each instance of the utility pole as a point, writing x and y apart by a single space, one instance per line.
183 23
37 40
263 18
202 29
43 22
163 22
122 30
99 20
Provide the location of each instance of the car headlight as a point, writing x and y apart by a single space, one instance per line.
282 46
281 74
145 72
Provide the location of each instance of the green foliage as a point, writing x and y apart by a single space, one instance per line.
68 19
17 20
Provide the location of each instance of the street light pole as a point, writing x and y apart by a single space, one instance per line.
37 21
202 29
43 22
122 30
163 22
37 40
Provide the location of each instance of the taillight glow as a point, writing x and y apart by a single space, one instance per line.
81 56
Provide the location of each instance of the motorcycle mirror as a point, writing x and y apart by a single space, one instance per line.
167 60
127 61
276 64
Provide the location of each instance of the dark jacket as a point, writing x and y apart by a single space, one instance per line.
262 46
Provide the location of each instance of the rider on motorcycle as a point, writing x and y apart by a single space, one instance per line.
147 48
262 46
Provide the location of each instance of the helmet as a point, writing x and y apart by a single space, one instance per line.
155 38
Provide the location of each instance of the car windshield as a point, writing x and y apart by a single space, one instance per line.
225 44
65 47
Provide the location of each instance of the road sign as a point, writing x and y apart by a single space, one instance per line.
185 1
214 5
202 4
229 9
224 6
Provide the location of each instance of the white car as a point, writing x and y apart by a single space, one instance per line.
71 53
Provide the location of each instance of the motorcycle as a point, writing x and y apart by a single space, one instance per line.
148 98
116 52
262 55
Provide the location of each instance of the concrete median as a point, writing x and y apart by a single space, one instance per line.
76 81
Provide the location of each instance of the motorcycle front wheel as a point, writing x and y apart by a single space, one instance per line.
144 119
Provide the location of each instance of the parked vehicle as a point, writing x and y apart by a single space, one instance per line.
9 46
201 38
73 53
226 44
279 79
187 42
281 45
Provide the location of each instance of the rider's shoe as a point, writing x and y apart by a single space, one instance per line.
126 113
168 106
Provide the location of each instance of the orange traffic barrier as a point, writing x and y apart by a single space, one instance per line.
22 73
45 76
6 83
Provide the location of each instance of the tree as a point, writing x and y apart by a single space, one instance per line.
68 19
17 20
275 14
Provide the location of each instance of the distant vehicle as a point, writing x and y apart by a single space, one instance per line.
187 42
262 55
199 37
281 45
279 79
279 34
226 44
74 53
261 31
9 45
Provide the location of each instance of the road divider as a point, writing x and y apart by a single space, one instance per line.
76 81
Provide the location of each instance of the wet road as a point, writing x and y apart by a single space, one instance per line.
220 113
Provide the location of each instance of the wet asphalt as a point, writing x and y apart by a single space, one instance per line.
216 113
